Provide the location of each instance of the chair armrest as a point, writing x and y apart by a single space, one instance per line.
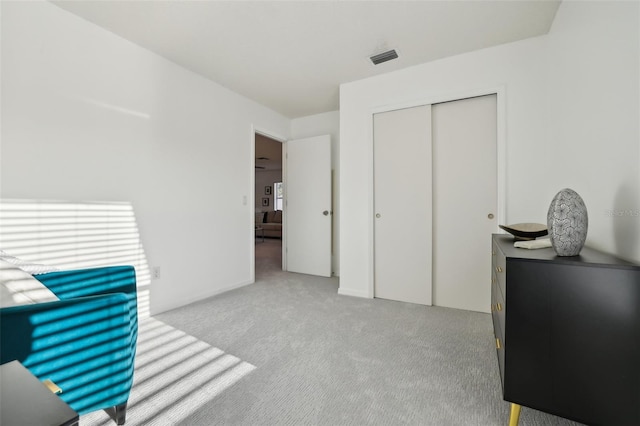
85 345
90 282
95 281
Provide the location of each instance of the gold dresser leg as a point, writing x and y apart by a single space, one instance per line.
514 417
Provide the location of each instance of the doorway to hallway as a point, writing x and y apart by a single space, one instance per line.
268 221
268 255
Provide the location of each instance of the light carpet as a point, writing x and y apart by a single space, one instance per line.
294 352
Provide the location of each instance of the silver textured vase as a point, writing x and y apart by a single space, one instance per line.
567 222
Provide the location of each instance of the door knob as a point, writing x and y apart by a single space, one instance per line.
326 212
377 215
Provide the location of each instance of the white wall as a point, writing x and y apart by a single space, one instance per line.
554 138
88 116
593 109
326 124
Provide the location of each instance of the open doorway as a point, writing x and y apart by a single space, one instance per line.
268 204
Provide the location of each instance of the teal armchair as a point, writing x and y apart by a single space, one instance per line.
85 342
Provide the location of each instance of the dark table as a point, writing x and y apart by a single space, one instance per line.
24 400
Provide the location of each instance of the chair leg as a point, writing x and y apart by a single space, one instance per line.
118 413
121 414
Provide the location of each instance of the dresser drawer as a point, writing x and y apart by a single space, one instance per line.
500 349
498 331
498 307
499 268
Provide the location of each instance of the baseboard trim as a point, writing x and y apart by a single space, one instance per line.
226 289
354 293
202 296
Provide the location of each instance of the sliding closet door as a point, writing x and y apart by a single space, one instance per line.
464 201
402 205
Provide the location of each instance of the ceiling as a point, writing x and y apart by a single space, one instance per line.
268 153
291 56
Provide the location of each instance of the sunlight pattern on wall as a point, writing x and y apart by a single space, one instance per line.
76 235
175 373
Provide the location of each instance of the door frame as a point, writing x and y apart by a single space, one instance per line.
251 211
500 92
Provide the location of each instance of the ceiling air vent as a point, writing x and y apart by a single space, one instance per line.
384 57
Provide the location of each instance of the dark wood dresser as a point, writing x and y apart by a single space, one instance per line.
567 333
26 401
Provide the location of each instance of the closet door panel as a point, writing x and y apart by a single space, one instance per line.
402 205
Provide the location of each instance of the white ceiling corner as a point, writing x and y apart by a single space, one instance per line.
291 56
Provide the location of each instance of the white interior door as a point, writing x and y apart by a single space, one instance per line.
308 206
402 205
464 201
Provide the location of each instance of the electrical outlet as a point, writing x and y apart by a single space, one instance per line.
155 272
